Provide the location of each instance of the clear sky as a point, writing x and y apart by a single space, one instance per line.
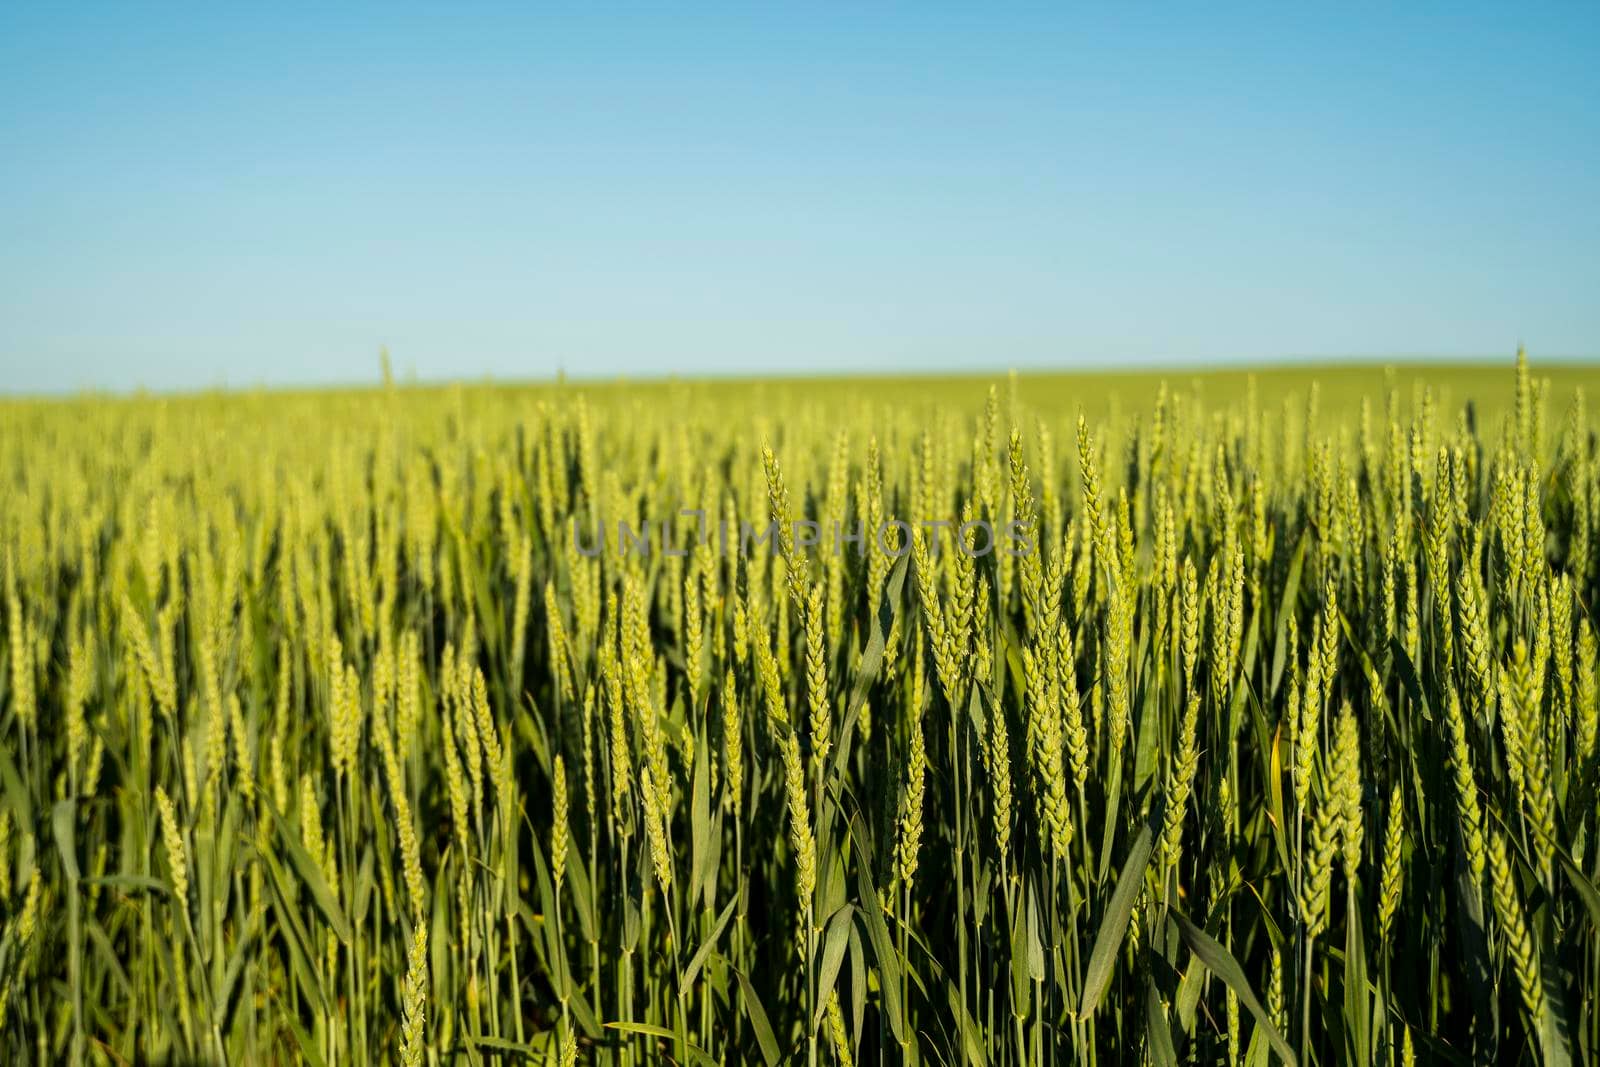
192 197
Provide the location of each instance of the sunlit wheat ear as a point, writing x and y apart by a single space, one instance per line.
1231 1013
837 1032
694 635
344 713
1346 774
558 823
818 702
1474 629
909 840
588 725
1180 779
655 824
405 827
800 836
1030 567
382 681
79 681
1392 877
621 752
24 699
1587 706
1329 635
1093 506
778 508
1521 685
770 682
999 770
1307 729
144 653
1275 1002
1045 746
455 783
172 839
1513 923
741 630
1189 621
1533 531
28 918
1559 593
1318 871
732 746
413 1040
407 701
486 728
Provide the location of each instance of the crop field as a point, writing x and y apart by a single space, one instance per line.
1015 721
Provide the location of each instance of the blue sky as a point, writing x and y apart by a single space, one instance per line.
191 197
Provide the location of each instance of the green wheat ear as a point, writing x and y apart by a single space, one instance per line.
558 823
800 837
1514 930
413 1042
172 839
1392 877
1346 784
1180 781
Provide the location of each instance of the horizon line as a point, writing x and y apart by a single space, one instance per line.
1138 368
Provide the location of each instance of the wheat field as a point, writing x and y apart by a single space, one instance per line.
1214 719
